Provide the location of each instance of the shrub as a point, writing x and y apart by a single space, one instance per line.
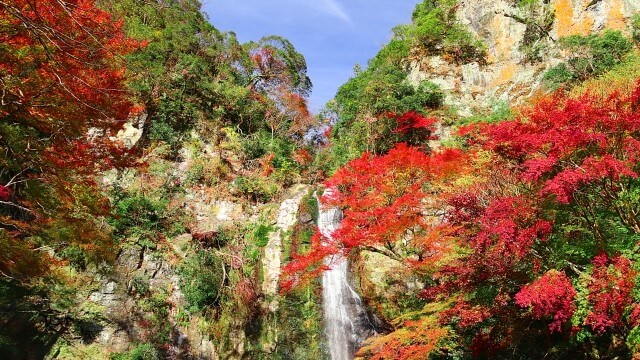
140 352
207 170
260 234
76 257
139 217
635 28
589 56
201 278
257 188
558 75
436 30
140 284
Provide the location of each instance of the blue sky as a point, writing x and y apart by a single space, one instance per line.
333 35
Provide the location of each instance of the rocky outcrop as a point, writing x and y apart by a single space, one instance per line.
210 214
510 33
135 271
272 259
132 130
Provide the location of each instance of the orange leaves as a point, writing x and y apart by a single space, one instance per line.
414 341
266 162
66 66
302 157
437 246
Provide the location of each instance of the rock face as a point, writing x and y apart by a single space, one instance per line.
132 130
210 214
506 28
272 260
124 318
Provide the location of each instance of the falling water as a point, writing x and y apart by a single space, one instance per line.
347 322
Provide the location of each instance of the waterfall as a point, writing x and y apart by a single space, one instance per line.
347 322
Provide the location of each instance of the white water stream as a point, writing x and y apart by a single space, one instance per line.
347 322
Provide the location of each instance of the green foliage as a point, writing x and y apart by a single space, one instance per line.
140 352
224 236
436 30
263 143
191 75
309 204
201 279
589 56
559 75
300 318
177 71
140 284
156 315
363 101
75 256
256 188
635 28
207 170
633 339
260 234
139 217
383 88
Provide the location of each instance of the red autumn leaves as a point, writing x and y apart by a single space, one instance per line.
490 233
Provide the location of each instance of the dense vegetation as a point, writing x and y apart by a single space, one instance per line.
526 237
519 234
522 228
72 72
365 107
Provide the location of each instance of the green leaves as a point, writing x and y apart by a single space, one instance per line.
588 56
201 279
436 30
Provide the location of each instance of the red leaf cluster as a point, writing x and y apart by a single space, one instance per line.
412 121
465 315
493 245
74 46
551 295
305 267
610 293
567 143
383 195
5 193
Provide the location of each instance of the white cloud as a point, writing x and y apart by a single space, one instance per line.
334 8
